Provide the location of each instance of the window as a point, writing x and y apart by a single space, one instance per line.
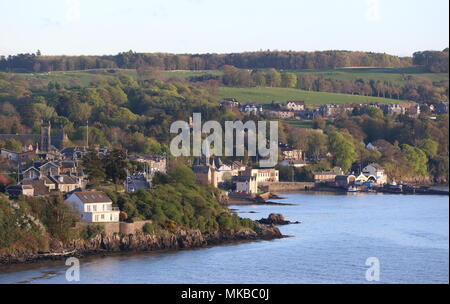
103 216
95 207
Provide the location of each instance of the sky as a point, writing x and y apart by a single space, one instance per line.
105 27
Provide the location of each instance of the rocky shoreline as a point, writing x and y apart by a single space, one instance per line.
276 219
166 240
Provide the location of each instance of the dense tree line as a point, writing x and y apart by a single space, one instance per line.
433 61
284 60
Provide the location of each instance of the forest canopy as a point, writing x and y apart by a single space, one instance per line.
285 60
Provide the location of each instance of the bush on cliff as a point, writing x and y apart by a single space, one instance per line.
19 230
91 230
178 200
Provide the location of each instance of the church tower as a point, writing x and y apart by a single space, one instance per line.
46 137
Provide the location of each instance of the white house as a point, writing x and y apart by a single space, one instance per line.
252 108
263 175
246 184
295 105
377 171
94 207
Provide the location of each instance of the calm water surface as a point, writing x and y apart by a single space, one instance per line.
408 234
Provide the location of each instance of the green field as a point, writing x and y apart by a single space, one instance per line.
303 124
85 78
267 95
187 74
76 78
392 75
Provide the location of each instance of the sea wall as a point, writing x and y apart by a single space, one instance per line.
163 240
281 187
124 228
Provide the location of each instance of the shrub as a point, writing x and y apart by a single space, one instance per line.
91 230
149 228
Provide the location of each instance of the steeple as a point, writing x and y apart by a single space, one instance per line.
46 137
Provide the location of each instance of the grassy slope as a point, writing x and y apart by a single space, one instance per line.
267 95
264 95
395 76
85 78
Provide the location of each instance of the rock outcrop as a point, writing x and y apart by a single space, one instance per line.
276 219
164 240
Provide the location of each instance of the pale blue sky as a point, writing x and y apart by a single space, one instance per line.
75 27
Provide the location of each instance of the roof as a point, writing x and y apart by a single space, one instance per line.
89 197
38 165
31 168
68 164
201 169
344 177
71 150
8 151
377 166
38 186
65 180
298 102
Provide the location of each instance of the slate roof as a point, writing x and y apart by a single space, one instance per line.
89 197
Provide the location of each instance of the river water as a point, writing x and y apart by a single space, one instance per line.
408 236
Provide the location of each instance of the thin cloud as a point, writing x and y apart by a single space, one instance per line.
373 10
73 10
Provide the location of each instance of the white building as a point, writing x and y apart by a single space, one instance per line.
252 108
376 171
295 105
94 207
263 175
246 184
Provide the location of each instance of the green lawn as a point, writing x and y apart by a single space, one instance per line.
187 74
85 78
303 124
75 78
267 95
395 76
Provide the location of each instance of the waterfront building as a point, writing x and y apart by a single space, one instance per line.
94 207
263 175
345 181
376 171
246 184
327 175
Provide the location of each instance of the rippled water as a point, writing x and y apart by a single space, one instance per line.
408 234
